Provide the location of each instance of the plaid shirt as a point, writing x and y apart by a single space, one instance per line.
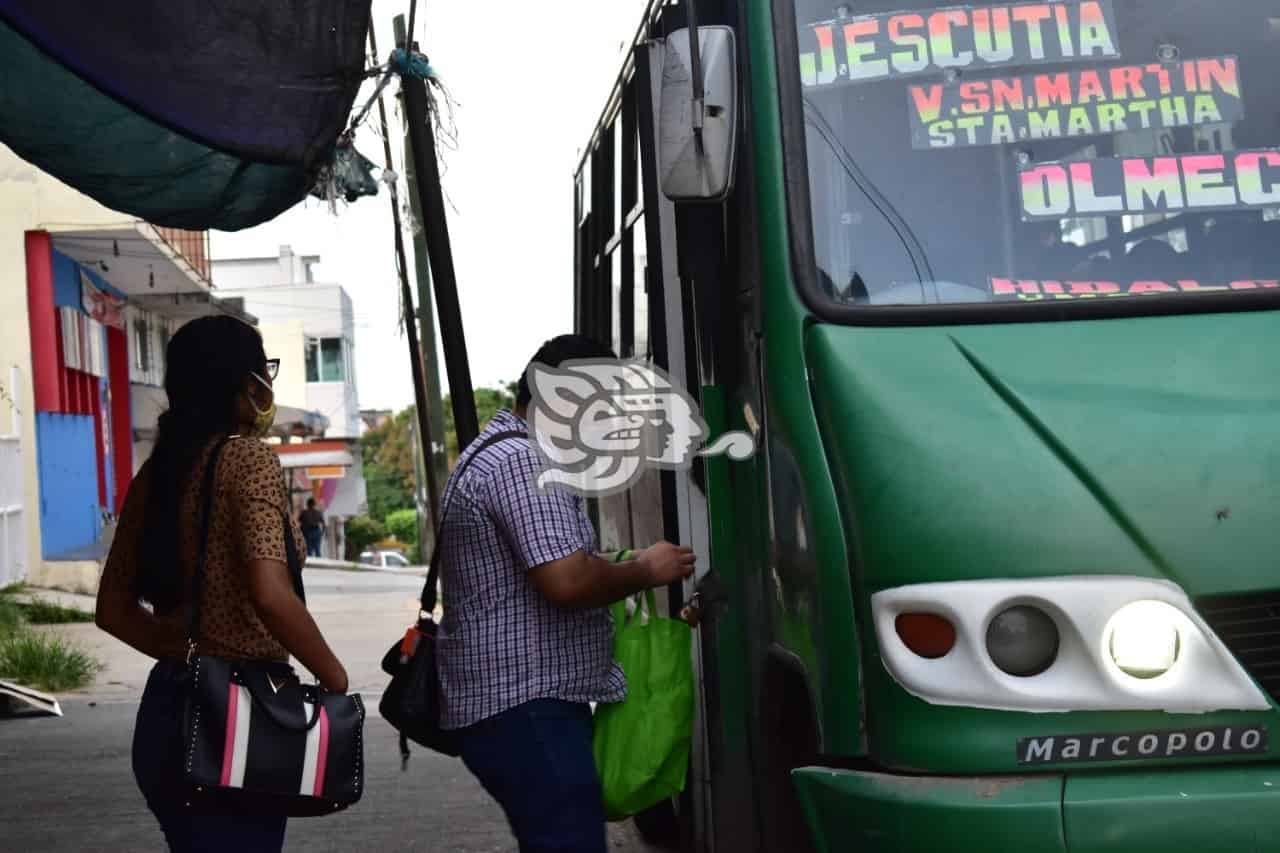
501 643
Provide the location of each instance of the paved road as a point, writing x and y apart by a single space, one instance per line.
66 784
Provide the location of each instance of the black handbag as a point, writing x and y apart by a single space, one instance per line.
411 703
259 741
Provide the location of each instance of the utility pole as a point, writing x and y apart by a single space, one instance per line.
425 526
426 311
426 172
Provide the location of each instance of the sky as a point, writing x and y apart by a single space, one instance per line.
529 86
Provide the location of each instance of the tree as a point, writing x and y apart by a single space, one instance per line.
488 402
361 532
388 452
403 524
388 466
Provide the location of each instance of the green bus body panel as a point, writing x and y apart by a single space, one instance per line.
879 813
1144 447
1217 810
1224 810
818 627
985 452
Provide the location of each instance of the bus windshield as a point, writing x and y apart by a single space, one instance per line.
1026 152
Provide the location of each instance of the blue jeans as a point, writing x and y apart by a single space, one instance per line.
314 536
157 765
535 760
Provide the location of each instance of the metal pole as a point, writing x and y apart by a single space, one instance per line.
426 171
426 310
406 297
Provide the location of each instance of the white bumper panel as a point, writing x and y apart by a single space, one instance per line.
1205 677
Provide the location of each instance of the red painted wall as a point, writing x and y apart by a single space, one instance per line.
121 416
100 451
46 365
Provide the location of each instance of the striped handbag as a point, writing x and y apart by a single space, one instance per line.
258 741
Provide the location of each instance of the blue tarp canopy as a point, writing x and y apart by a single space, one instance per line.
218 114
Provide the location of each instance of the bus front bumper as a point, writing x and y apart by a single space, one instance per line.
1214 810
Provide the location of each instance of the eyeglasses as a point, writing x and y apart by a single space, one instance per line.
273 368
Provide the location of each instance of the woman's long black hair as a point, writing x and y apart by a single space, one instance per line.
207 362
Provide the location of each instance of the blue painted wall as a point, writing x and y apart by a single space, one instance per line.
66 281
70 517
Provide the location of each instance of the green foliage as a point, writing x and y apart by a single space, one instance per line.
388 466
403 524
488 402
388 452
41 612
11 619
45 661
362 531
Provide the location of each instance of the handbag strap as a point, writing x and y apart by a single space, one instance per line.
428 598
208 489
291 555
197 579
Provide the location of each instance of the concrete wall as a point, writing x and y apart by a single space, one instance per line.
287 342
252 273
31 200
287 316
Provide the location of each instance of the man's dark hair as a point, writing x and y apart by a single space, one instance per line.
311 503
556 352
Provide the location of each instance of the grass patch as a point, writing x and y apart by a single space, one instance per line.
45 661
11 619
41 612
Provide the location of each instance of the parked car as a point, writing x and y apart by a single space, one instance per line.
385 560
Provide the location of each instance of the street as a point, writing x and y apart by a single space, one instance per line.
67 783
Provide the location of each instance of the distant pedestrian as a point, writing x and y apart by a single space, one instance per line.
218 381
527 640
312 521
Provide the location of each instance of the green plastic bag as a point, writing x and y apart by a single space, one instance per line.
641 744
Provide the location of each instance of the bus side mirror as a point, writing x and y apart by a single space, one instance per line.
697 139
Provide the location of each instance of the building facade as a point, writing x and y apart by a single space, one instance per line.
310 326
90 299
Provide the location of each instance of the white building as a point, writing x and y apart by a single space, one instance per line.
310 327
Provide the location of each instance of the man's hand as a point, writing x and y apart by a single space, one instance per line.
665 563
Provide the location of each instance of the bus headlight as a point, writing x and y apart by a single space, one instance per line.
1143 640
1022 641
1080 643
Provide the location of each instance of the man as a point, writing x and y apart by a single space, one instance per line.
312 521
526 641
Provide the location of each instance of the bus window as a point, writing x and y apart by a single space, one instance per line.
615 264
979 153
640 293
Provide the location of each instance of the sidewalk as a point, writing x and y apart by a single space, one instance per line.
361 613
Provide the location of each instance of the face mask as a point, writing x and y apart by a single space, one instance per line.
266 418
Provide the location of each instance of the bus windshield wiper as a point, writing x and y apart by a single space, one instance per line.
914 249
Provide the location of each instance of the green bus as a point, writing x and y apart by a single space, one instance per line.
996 290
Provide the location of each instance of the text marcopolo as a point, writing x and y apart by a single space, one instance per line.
1182 743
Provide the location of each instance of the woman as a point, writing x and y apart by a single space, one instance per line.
219 385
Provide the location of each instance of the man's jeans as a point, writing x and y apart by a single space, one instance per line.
535 760
314 537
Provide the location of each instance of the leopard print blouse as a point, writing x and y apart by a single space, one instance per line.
247 522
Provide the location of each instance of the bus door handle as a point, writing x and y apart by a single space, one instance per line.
710 592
